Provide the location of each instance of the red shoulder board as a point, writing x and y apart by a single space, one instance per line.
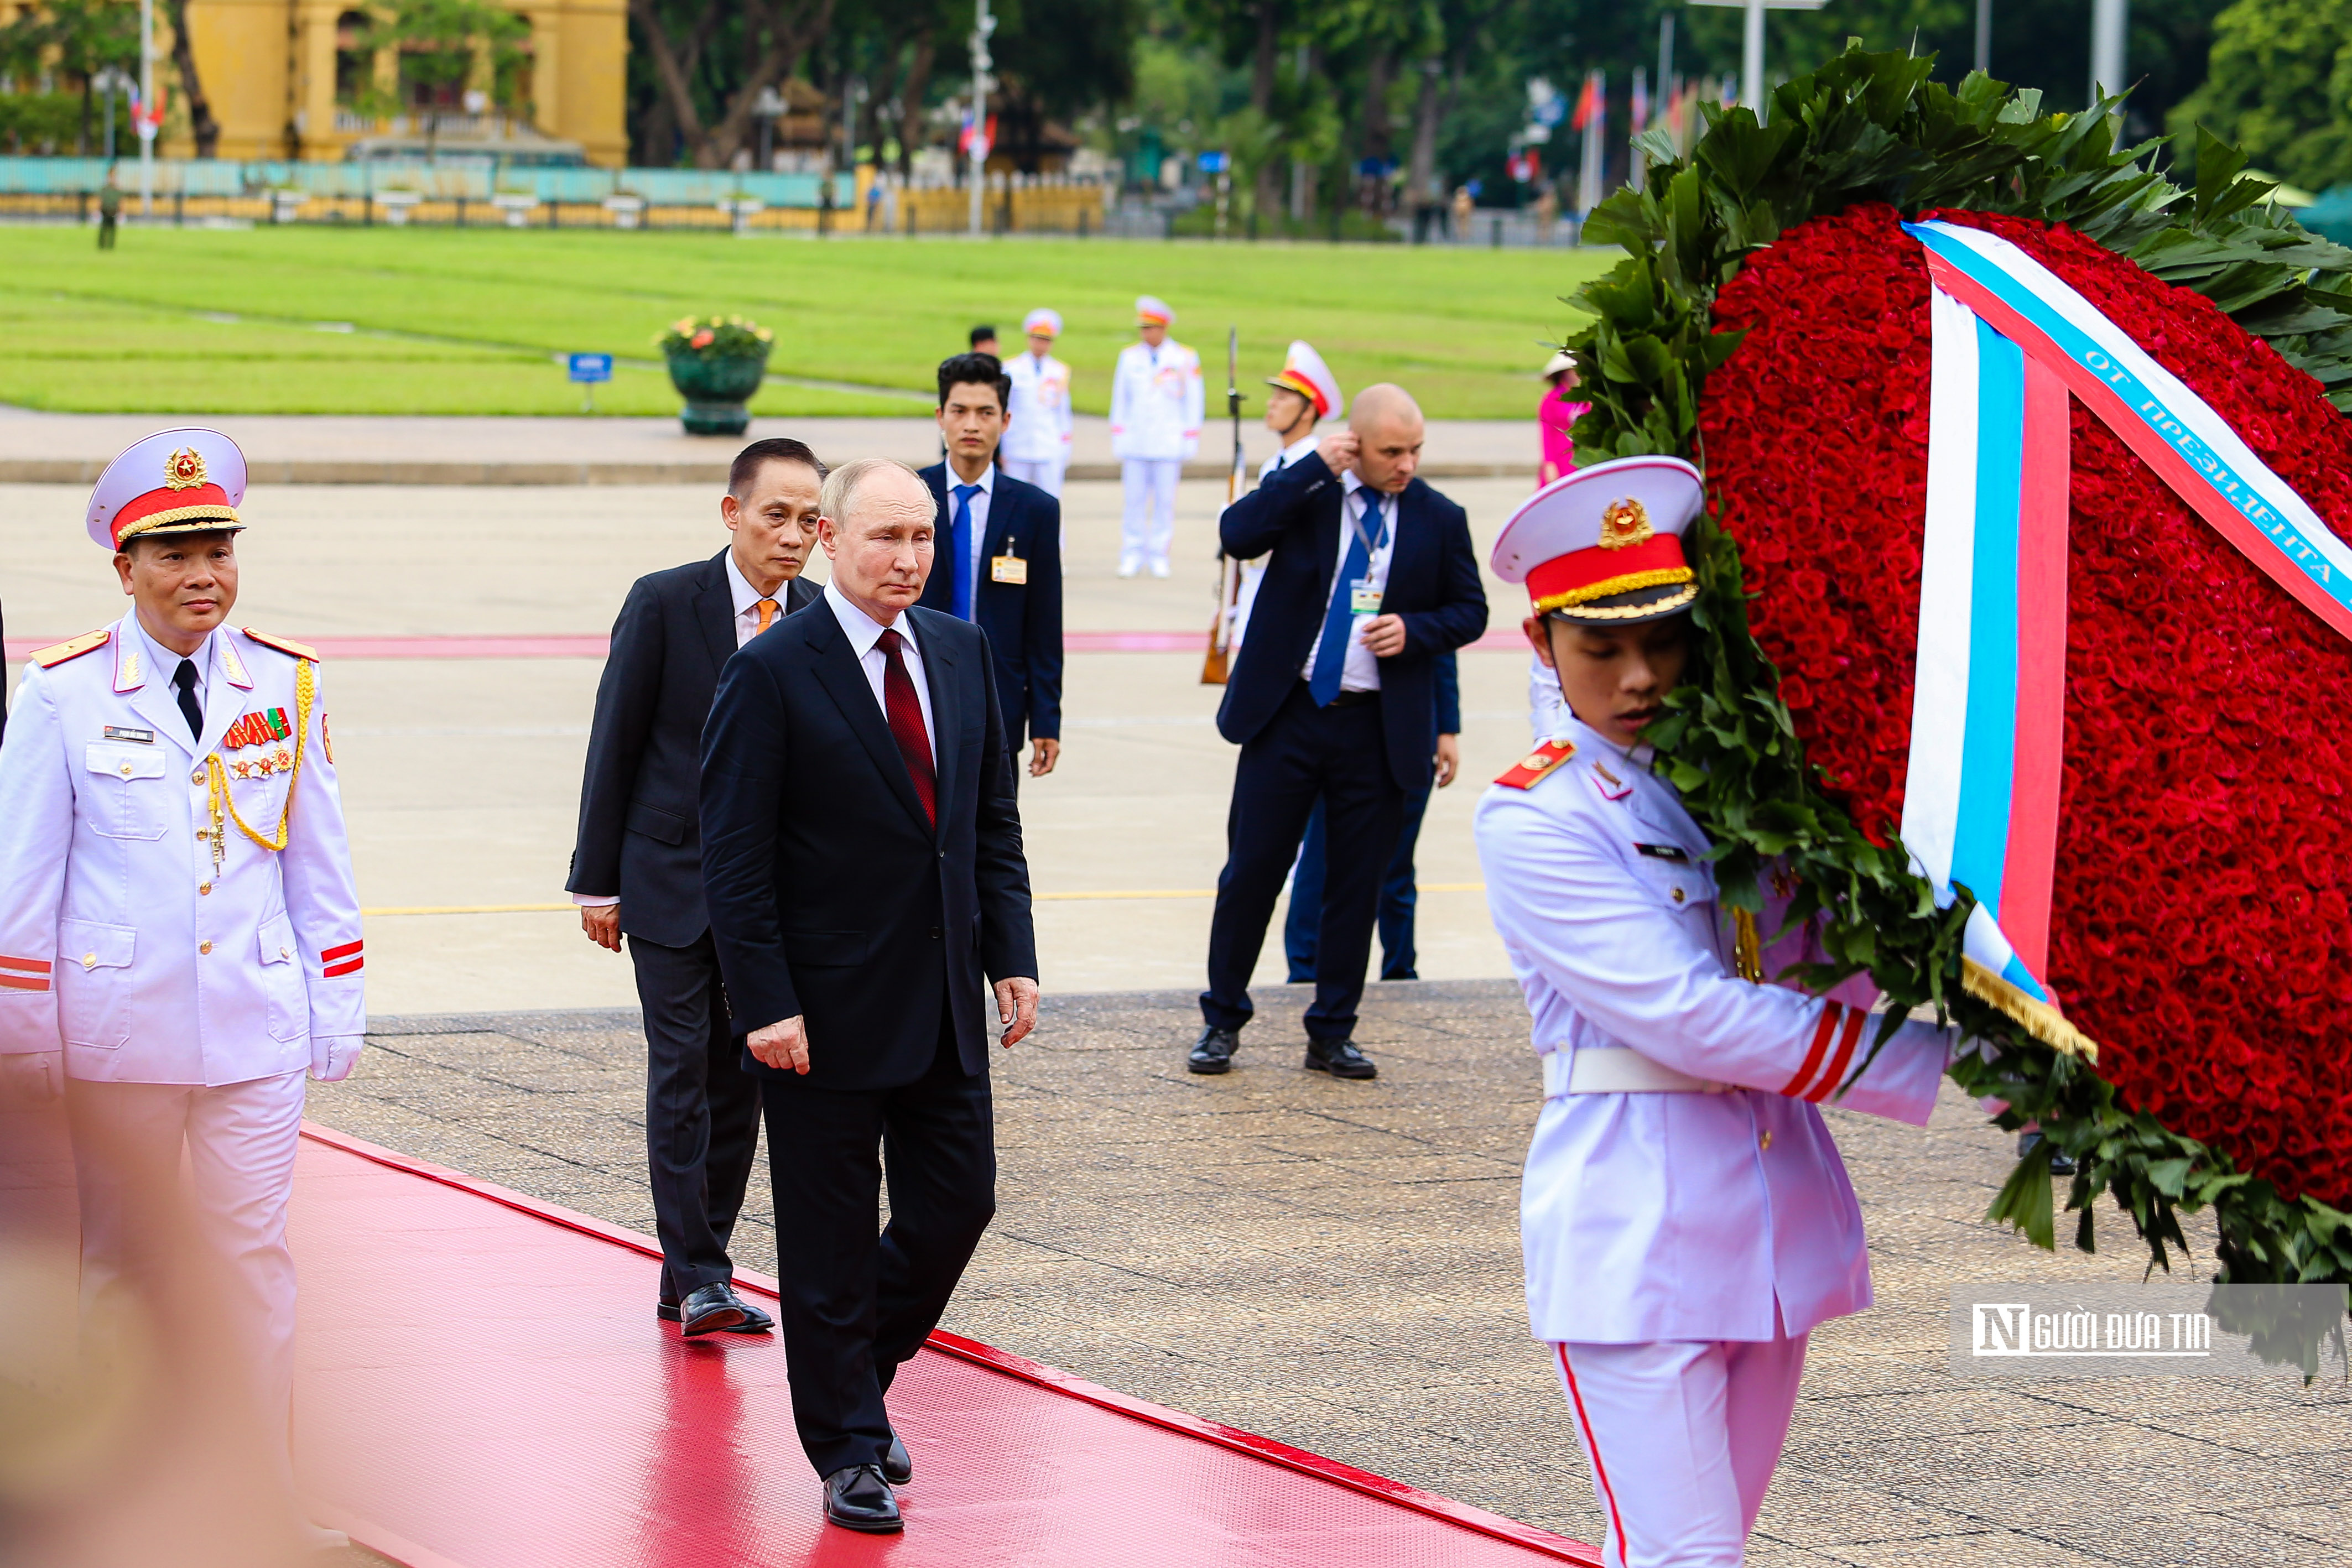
1538 764
284 644
89 641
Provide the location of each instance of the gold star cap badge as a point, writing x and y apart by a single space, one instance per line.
184 469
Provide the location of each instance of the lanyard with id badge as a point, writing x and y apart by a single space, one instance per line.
1008 567
1363 596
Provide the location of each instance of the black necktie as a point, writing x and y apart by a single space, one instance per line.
184 677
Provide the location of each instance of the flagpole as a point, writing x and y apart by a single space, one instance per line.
146 106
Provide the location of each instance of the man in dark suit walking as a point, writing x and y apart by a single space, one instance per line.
636 868
862 855
999 560
1370 577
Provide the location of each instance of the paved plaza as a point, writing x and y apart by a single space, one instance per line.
1335 1265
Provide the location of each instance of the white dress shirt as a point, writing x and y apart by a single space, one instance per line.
1289 456
1362 670
746 602
164 664
975 548
864 633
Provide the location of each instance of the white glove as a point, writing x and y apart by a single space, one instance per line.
35 1076
332 1057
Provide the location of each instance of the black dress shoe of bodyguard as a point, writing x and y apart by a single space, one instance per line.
754 1320
859 1497
1339 1058
898 1464
708 1309
1213 1052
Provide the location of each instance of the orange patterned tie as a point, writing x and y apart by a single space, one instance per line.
767 616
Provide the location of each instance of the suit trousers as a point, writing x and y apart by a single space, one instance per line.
137 1219
703 1112
1682 1437
855 1305
1398 894
1304 753
1149 485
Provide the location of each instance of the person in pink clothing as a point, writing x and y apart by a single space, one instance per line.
1557 416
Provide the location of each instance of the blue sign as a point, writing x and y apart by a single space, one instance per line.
591 367
1215 162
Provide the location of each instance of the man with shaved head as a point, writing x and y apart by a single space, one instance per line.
861 858
1370 577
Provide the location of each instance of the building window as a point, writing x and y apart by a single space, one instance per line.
354 66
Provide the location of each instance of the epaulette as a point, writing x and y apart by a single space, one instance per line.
284 644
88 643
1538 764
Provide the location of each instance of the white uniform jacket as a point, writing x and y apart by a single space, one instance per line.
1687 1216
1155 406
1038 430
119 939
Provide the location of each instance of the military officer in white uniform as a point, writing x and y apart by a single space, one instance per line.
1685 1218
1304 392
181 942
1156 401
1037 445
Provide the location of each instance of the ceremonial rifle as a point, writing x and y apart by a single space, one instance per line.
1229 572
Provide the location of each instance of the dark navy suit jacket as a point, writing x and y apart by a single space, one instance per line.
637 840
833 897
1024 622
1433 583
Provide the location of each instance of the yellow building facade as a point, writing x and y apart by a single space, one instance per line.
280 77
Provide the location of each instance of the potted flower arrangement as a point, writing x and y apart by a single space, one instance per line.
716 363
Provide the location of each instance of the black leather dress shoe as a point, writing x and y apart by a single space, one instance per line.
1339 1058
859 1497
708 1309
898 1464
1213 1052
754 1320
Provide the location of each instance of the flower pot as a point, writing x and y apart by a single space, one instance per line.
716 388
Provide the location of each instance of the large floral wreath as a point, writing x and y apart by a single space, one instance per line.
1771 323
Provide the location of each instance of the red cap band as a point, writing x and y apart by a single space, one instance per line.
1583 576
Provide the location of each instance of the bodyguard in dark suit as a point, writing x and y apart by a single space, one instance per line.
636 868
1371 576
862 857
998 556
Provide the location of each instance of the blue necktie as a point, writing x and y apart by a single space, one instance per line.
1338 621
960 541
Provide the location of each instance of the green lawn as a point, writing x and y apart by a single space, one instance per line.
462 322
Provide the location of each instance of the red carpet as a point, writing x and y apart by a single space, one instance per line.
483 1385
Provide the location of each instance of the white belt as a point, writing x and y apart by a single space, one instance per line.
1617 1070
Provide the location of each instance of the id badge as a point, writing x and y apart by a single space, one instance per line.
1012 568
1363 599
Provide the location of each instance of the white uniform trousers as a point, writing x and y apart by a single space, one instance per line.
240 1140
1682 1437
1150 485
1045 474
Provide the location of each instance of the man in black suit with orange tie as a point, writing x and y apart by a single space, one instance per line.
861 852
1370 577
636 867
998 556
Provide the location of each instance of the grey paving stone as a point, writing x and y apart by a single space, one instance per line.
1337 1265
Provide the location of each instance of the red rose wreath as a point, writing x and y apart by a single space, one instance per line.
1772 324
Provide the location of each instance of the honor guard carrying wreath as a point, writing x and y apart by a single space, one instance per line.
1685 1218
1156 408
182 937
1037 438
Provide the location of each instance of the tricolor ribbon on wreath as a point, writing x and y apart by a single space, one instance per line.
2010 341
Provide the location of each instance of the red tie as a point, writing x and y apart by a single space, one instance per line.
905 715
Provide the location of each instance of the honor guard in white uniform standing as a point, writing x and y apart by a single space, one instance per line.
1037 446
181 942
1685 1218
1156 401
1305 392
